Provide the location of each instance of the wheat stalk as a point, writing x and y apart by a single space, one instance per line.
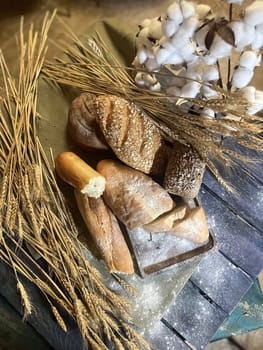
97 71
34 217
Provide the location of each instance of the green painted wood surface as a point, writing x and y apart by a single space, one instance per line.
247 316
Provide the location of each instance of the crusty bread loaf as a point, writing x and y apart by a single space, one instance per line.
106 234
133 196
82 126
166 221
73 170
129 132
184 171
192 227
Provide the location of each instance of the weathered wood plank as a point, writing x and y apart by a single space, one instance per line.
247 202
238 240
221 281
195 317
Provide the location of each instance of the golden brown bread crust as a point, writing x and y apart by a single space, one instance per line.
82 126
132 136
166 221
184 172
106 234
73 170
192 227
132 196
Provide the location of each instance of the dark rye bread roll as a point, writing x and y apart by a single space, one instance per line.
82 126
132 196
133 137
184 171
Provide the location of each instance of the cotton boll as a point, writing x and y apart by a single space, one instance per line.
257 104
174 12
202 11
155 87
139 79
244 34
166 43
145 23
248 93
155 28
259 28
208 113
187 8
210 74
220 48
242 77
209 60
143 36
152 65
162 54
174 59
208 92
149 79
187 51
169 27
254 13
173 91
184 33
190 90
142 55
248 59
257 43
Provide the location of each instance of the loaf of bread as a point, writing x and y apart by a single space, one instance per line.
129 132
106 234
73 170
184 171
132 196
192 227
166 221
82 126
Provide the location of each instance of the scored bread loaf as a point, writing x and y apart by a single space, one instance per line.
184 171
166 221
106 234
133 137
73 170
132 196
192 227
82 126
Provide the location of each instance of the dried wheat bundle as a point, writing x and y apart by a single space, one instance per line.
35 221
91 66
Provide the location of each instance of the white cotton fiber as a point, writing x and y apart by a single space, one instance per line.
210 73
220 48
142 55
254 13
173 91
169 27
187 8
190 89
248 59
244 34
174 12
241 77
202 10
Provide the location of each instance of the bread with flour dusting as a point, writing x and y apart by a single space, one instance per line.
132 196
129 132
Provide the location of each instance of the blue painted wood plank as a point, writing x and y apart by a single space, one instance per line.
238 240
195 317
162 337
247 202
221 281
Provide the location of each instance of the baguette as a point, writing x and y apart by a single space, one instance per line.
73 170
132 196
106 234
